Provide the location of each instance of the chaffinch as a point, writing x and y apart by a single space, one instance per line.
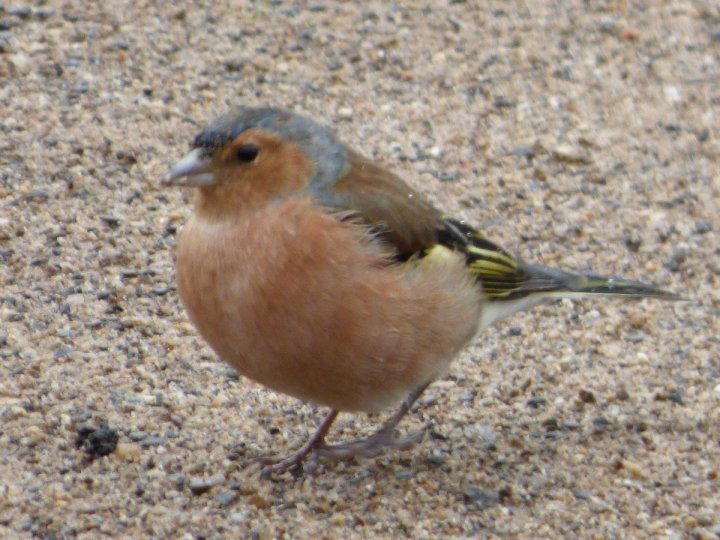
317 273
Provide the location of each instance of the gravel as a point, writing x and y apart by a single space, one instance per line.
577 134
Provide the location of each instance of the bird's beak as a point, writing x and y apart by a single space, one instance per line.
193 170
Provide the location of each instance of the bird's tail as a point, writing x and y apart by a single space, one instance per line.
561 284
510 286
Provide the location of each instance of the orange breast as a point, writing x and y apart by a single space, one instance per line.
308 305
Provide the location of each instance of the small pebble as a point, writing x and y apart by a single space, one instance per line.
672 94
203 484
636 470
674 395
481 497
501 102
34 435
679 255
238 517
127 451
97 441
258 501
525 151
345 113
436 458
16 411
569 154
622 395
226 498
551 424
635 337
536 402
152 441
600 425
703 227
608 26
583 494
6 229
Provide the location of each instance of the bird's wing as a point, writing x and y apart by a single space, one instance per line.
398 214
415 228
499 273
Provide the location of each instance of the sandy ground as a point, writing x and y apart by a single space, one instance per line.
579 134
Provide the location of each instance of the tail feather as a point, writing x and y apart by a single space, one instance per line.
511 286
566 284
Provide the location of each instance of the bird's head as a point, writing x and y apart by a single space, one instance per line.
250 157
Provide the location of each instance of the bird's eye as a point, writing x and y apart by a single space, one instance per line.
247 153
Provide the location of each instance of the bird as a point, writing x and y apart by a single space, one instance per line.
316 272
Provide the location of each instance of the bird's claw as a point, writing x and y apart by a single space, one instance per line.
370 446
304 459
307 457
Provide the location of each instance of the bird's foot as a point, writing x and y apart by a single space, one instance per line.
272 466
385 436
370 446
306 457
301 458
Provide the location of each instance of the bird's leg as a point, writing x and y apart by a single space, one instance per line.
272 466
366 447
385 436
